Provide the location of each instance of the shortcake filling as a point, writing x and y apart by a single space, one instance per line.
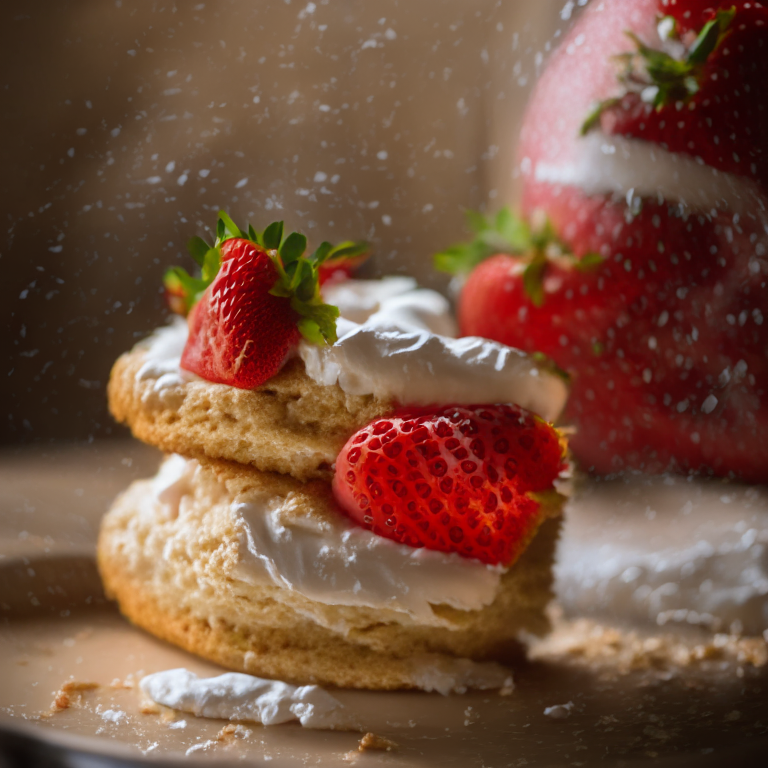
632 168
394 344
333 561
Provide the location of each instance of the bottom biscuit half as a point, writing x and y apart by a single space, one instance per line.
175 552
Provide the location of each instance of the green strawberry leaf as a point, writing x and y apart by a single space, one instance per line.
273 236
197 248
227 229
293 247
321 254
318 321
210 266
593 118
650 72
476 221
513 230
347 250
503 233
711 37
589 261
533 281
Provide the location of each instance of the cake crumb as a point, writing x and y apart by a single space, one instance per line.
612 652
149 707
128 684
69 694
559 711
372 741
232 731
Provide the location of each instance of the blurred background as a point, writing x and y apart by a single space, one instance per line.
127 125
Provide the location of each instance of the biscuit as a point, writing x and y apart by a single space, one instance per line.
290 425
172 560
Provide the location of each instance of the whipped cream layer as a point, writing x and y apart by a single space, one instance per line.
331 561
399 350
245 698
395 342
632 168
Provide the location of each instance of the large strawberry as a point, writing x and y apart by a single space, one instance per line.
257 295
649 149
471 479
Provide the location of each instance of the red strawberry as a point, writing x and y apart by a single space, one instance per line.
239 333
651 333
462 479
256 296
339 269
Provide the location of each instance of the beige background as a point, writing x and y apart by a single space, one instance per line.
126 125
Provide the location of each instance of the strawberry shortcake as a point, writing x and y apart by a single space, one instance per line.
351 496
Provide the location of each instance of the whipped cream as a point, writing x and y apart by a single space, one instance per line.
399 352
667 550
162 366
395 342
244 698
331 561
634 168
337 563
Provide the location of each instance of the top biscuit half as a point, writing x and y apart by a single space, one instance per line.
291 424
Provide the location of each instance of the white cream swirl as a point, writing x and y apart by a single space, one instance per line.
402 348
632 168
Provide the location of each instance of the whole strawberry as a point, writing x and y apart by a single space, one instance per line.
475 480
645 145
257 295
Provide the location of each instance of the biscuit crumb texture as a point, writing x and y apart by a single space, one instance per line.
374 743
290 425
173 571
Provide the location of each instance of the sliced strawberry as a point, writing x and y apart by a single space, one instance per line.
258 294
475 480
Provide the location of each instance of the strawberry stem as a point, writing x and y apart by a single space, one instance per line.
659 78
534 244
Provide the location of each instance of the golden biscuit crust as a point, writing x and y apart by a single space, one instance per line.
173 572
290 425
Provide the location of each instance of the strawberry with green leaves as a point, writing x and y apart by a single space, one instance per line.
646 142
256 296
525 287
